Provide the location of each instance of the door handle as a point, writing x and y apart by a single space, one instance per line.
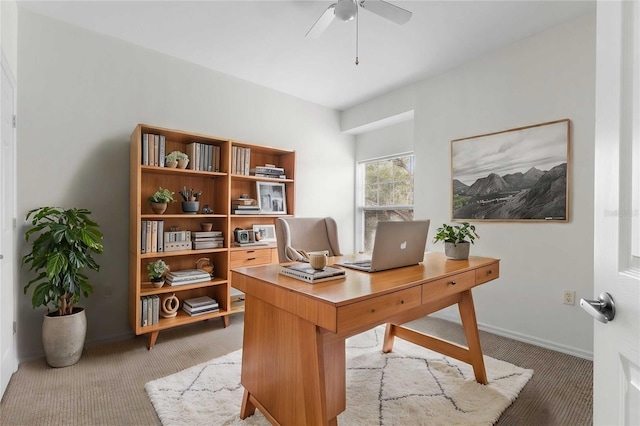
603 309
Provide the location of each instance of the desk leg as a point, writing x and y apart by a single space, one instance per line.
247 408
468 316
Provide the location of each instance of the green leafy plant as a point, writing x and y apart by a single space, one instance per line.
157 269
62 249
456 234
175 156
162 195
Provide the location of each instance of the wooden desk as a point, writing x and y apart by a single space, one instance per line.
294 359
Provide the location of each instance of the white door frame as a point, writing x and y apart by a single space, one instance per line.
8 179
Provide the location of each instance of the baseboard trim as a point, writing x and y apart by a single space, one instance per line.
547 344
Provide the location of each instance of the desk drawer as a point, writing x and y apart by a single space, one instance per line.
448 286
376 310
487 273
249 257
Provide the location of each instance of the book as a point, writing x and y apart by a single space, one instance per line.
149 311
187 282
155 299
145 149
143 236
205 234
246 211
154 236
304 272
196 302
143 311
201 245
156 149
257 243
210 306
208 311
245 207
161 154
161 235
149 236
187 273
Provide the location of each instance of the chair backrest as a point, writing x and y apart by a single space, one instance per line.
308 234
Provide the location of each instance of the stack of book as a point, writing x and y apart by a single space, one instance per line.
304 272
244 206
269 171
149 310
200 305
206 240
187 276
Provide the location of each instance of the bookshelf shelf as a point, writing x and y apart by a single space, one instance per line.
232 161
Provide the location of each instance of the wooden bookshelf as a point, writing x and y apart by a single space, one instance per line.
218 189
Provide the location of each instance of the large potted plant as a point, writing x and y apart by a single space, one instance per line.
61 249
457 239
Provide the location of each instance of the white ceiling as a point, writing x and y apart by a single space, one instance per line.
264 41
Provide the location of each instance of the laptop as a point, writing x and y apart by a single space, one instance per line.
397 244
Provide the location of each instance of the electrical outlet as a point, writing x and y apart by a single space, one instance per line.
569 297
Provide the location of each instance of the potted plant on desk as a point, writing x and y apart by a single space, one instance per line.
61 251
457 239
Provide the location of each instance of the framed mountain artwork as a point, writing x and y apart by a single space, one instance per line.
513 175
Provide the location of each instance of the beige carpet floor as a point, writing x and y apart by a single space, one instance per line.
106 387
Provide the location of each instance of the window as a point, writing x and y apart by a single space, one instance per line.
385 193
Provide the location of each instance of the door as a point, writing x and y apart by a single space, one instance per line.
7 214
616 389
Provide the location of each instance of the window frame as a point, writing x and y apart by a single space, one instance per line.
360 208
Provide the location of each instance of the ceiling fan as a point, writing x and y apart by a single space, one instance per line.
347 10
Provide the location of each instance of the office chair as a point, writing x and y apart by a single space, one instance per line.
308 234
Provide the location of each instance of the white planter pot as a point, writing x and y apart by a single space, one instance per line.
63 338
459 251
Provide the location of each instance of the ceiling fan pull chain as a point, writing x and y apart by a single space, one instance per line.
357 33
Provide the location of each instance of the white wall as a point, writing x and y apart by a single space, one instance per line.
9 33
389 140
82 94
547 77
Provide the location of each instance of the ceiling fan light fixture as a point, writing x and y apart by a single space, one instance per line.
346 10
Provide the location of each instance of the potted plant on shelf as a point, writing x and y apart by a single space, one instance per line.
160 199
62 249
457 239
157 269
177 159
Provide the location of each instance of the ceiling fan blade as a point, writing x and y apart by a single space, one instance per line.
322 23
387 10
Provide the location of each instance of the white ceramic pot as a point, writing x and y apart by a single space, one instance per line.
63 337
457 251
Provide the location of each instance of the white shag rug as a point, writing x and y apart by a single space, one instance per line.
409 386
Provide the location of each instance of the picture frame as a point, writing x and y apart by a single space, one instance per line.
519 174
266 232
271 197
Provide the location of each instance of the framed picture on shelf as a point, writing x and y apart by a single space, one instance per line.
513 175
271 198
266 233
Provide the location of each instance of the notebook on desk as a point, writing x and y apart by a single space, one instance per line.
397 244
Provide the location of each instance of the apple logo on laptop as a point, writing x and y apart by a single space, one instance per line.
403 245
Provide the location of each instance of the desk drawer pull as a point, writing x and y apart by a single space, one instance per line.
452 283
251 258
489 272
250 251
402 302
